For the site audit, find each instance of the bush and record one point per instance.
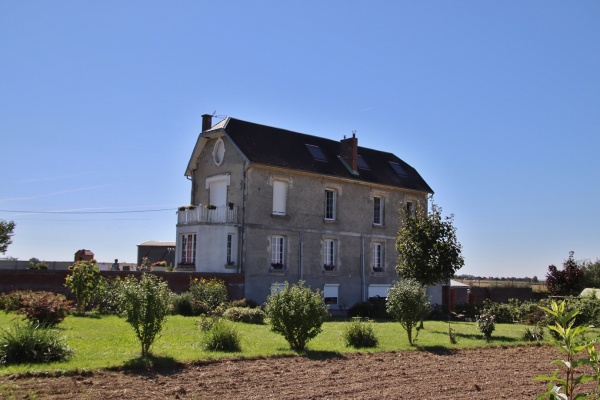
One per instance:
(222, 336)
(243, 303)
(13, 301)
(183, 305)
(296, 313)
(109, 293)
(31, 343)
(359, 334)
(535, 334)
(486, 323)
(44, 308)
(211, 292)
(246, 315)
(362, 309)
(407, 303)
(146, 304)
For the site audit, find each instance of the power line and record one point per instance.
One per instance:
(87, 212)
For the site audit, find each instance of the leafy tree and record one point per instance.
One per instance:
(146, 303)
(591, 273)
(296, 313)
(567, 282)
(6, 232)
(407, 303)
(84, 282)
(429, 251)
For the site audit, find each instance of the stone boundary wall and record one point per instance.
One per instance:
(53, 281)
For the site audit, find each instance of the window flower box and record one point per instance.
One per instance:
(377, 269)
(277, 266)
(328, 267)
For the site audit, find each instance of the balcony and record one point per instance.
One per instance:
(218, 215)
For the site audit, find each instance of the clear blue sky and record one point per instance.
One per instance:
(496, 104)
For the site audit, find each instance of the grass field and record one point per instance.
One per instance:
(108, 341)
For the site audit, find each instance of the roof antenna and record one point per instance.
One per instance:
(354, 133)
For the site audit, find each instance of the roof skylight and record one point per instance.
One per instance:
(397, 168)
(316, 152)
(362, 164)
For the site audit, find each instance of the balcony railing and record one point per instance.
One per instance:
(200, 213)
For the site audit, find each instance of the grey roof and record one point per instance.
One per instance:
(157, 243)
(277, 147)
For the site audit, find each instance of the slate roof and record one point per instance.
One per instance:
(283, 148)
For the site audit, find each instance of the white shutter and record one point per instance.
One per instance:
(279, 197)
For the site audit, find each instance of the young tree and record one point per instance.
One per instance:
(429, 251)
(297, 314)
(407, 303)
(146, 304)
(84, 282)
(568, 282)
(6, 232)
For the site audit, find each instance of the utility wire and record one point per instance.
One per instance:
(87, 212)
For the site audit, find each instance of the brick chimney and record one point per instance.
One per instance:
(349, 151)
(206, 122)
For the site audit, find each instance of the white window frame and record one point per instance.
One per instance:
(330, 204)
(218, 152)
(280, 189)
(329, 254)
(378, 205)
(187, 248)
(278, 251)
(230, 256)
(410, 208)
(331, 294)
(377, 258)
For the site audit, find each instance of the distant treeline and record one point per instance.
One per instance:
(527, 279)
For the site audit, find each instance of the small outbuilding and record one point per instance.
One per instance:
(156, 251)
(84, 255)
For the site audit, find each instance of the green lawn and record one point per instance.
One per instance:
(108, 341)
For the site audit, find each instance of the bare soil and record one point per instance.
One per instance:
(486, 373)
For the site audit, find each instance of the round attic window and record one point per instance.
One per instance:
(219, 151)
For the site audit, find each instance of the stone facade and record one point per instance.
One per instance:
(275, 224)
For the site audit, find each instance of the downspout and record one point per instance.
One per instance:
(243, 224)
(301, 257)
(362, 269)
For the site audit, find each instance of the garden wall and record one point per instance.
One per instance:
(501, 294)
(53, 281)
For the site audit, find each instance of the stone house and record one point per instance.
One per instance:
(276, 206)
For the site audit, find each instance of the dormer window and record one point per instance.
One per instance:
(316, 152)
(397, 168)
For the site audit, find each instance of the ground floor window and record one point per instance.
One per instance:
(278, 252)
(378, 291)
(330, 293)
(377, 257)
(188, 248)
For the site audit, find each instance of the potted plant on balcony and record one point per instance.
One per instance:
(328, 267)
(210, 207)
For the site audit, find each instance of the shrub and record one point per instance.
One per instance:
(13, 301)
(108, 299)
(362, 309)
(44, 308)
(83, 282)
(407, 303)
(246, 315)
(211, 292)
(296, 313)
(34, 263)
(146, 304)
(183, 304)
(31, 343)
(486, 323)
(243, 303)
(222, 336)
(535, 334)
(359, 333)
